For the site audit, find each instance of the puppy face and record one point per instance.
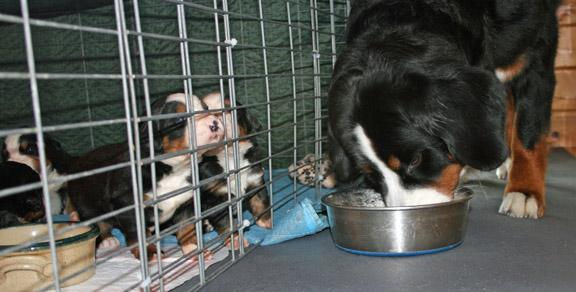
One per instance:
(247, 124)
(410, 133)
(22, 149)
(172, 134)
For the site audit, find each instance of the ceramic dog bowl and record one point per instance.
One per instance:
(360, 223)
(30, 268)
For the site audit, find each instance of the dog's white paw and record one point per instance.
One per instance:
(110, 242)
(519, 205)
(467, 174)
(504, 169)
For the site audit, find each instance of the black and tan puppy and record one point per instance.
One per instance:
(425, 87)
(24, 149)
(246, 179)
(102, 193)
(23, 207)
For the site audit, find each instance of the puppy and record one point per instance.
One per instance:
(24, 149)
(250, 175)
(423, 88)
(22, 207)
(102, 193)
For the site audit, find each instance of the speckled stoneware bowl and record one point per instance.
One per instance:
(30, 268)
(360, 223)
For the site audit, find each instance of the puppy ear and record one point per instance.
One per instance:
(247, 120)
(469, 114)
(158, 107)
(213, 100)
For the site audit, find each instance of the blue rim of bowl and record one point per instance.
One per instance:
(93, 232)
(467, 195)
(400, 254)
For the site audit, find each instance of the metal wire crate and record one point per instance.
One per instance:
(86, 73)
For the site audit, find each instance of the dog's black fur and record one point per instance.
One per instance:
(102, 193)
(21, 207)
(58, 162)
(215, 193)
(419, 77)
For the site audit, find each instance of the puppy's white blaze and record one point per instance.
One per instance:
(397, 194)
(56, 204)
(246, 176)
(175, 180)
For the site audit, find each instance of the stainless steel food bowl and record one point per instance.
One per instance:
(360, 223)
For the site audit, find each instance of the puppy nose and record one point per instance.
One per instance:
(214, 126)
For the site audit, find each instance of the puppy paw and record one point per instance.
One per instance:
(150, 251)
(109, 242)
(208, 255)
(503, 170)
(228, 242)
(74, 216)
(188, 248)
(519, 205)
(264, 222)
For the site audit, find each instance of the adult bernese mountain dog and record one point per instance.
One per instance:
(424, 88)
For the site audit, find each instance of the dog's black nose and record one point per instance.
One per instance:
(214, 126)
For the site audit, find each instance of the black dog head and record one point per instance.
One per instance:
(411, 119)
(171, 134)
(21, 207)
(24, 149)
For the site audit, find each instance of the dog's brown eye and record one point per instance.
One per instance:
(416, 159)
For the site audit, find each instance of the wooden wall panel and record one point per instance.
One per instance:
(564, 107)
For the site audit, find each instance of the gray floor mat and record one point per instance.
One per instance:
(498, 254)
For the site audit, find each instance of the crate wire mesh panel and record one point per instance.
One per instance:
(87, 73)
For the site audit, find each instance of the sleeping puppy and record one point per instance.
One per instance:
(102, 193)
(23, 207)
(250, 176)
(426, 87)
(24, 149)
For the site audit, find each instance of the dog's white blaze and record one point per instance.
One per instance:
(175, 180)
(56, 204)
(246, 176)
(397, 194)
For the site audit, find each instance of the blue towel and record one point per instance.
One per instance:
(290, 220)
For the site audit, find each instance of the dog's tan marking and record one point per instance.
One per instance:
(258, 207)
(366, 168)
(448, 180)
(508, 73)
(528, 167)
(150, 249)
(394, 163)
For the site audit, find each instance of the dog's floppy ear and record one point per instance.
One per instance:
(158, 107)
(342, 99)
(247, 120)
(470, 114)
